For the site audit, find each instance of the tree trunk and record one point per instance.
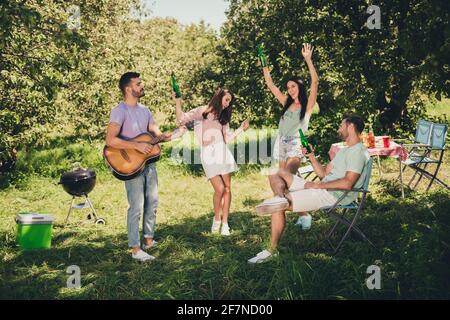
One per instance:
(325, 99)
(9, 164)
(392, 111)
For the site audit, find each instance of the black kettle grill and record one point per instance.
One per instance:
(78, 183)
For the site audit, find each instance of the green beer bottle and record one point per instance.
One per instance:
(261, 57)
(304, 141)
(175, 86)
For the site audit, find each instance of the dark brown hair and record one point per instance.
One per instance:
(215, 107)
(125, 80)
(301, 97)
(356, 120)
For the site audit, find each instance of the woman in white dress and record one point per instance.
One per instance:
(212, 130)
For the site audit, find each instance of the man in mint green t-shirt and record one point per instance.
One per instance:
(351, 159)
(346, 171)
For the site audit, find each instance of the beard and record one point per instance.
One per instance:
(138, 94)
(342, 136)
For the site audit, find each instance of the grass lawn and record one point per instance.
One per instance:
(412, 236)
(439, 108)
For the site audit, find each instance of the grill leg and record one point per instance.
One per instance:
(92, 207)
(70, 210)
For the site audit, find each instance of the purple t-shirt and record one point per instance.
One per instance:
(133, 120)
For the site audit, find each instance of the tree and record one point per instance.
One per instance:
(370, 70)
(38, 55)
(59, 76)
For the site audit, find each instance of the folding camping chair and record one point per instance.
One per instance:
(356, 206)
(306, 171)
(430, 139)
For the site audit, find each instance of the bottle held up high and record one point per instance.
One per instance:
(262, 57)
(175, 86)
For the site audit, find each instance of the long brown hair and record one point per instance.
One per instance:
(215, 107)
(302, 97)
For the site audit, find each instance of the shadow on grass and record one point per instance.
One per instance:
(413, 240)
(191, 264)
(393, 188)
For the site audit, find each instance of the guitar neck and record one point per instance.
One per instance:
(178, 132)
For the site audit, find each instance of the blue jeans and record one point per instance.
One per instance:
(142, 193)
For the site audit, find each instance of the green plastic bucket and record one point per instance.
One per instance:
(34, 230)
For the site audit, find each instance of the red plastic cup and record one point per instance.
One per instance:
(386, 142)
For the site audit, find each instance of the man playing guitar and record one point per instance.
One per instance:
(128, 120)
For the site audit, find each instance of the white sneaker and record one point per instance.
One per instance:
(304, 222)
(275, 200)
(272, 205)
(215, 228)
(263, 256)
(225, 230)
(142, 256)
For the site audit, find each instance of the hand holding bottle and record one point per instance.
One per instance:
(309, 153)
(304, 141)
(174, 96)
(261, 57)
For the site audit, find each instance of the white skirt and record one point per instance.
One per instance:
(217, 159)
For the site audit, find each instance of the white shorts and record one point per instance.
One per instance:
(286, 147)
(308, 199)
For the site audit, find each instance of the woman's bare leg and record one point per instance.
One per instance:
(278, 223)
(219, 188)
(292, 165)
(226, 197)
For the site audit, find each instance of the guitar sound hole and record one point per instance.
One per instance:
(125, 155)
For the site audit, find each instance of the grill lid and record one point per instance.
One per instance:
(77, 175)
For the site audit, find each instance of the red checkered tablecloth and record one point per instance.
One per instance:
(394, 149)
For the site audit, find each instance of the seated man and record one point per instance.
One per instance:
(346, 171)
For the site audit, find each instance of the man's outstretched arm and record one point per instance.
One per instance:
(345, 183)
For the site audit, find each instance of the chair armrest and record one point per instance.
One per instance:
(410, 139)
(416, 145)
(351, 190)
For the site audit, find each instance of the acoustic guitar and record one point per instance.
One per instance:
(126, 164)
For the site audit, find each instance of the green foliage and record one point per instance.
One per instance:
(155, 48)
(57, 87)
(66, 82)
(39, 56)
(56, 81)
(53, 162)
(374, 72)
